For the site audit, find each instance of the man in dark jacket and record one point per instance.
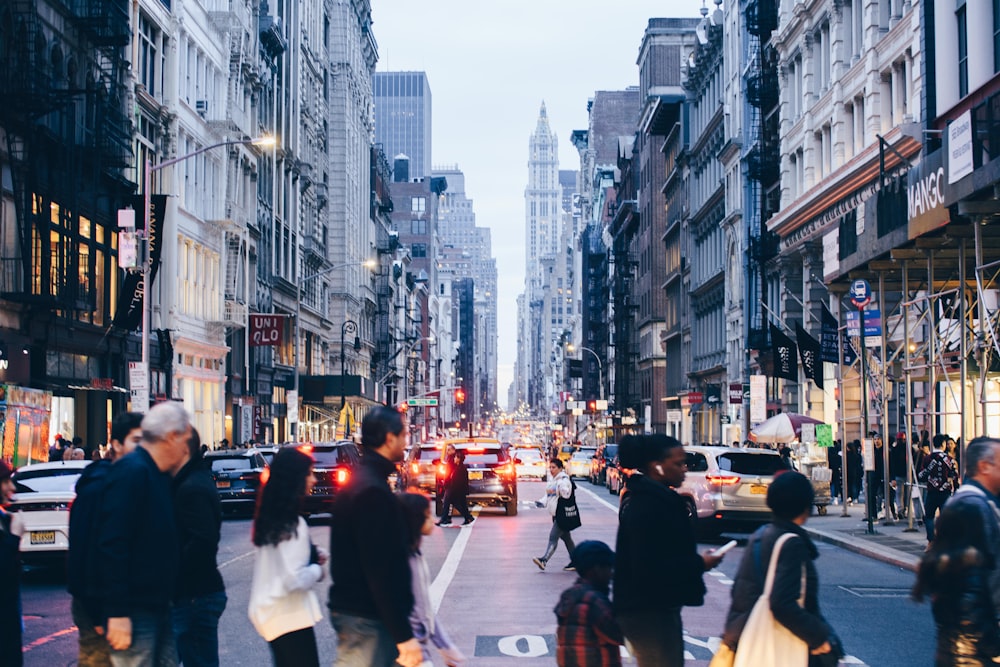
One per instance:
(201, 592)
(371, 596)
(458, 489)
(10, 576)
(83, 560)
(138, 542)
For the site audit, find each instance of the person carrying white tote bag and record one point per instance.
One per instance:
(765, 641)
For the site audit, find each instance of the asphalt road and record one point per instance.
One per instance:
(498, 605)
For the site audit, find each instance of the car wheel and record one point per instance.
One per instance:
(511, 507)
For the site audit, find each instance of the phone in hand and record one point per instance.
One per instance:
(721, 551)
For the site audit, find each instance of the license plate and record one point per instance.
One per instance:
(43, 537)
(758, 489)
(222, 484)
(475, 474)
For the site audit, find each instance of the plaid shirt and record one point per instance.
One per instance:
(588, 634)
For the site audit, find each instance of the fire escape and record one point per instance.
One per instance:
(762, 161)
(67, 136)
(388, 272)
(595, 334)
(625, 264)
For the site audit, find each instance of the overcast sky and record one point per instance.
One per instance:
(490, 66)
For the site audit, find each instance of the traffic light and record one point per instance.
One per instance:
(403, 407)
(592, 406)
(459, 395)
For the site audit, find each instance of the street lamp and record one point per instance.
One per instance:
(148, 170)
(349, 326)
(368, 263)
(600, 366)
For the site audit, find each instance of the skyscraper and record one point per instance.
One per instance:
(403, 118)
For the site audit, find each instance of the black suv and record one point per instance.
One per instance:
(335, 462)
(237, 474)
(492, 474)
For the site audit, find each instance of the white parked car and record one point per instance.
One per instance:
(531, 463)
(44, 493)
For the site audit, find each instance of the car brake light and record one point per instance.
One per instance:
(415, 468)
(443, 470)
(475, 450)
(306, 448)
(506, 469)
(722, 480)
(265, 474)
(343, 474)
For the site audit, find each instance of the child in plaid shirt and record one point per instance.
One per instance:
(588, 634)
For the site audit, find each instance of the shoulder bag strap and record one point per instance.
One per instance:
(773, 565)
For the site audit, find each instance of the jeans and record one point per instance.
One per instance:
(295, 649)
(152, 644)
(556, 534)
(935, 501)
(196, 626)
(656, 638)
(94, 649)
(362, 642)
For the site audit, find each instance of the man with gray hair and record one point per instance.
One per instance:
(979, 490)
(138, 543)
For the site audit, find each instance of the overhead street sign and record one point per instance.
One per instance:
(861, 293)
(414, 402)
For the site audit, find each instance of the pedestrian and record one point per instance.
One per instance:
(940, 475)
(10, 575)
(794, 595)
(558, 490)
(836, 463)
(448, 461)
(83, 559)
(426, 626)
(955, 575)
(371, 596)
(657, 567)
(897, 473)
(138, 542)
(458, 491)
(283, 607)
(57, 448)
(588, 634)
(854, 466)
(201, 593)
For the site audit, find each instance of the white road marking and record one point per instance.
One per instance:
(613, 508)
(447, 572)
(242, 556)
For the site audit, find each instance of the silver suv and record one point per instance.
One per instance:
(727, 486)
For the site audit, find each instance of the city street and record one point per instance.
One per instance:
(498, 605)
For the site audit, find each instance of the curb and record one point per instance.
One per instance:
(890, 556)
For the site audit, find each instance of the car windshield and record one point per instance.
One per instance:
(611, 451)
(491, 457)
(750, 464)
(331, 457)
(46, 481)
(240, 463)
(583, 455)
(528, 454)
(427, 452)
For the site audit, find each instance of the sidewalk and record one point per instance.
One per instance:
(891, 543)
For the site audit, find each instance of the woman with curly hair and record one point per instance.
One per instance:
(283, 607)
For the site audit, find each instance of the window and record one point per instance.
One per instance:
(418, 204)
(150, 57)
(849, 234)
(963, 52)
(418, 250)
(418, 226)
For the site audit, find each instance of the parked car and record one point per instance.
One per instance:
(44, 494)
(530, 463)
(614, 476)
(334, 464)
(417, 473)
(492, 475)
(579, 463)
(727, 486)
(598, 465)
(237, 474)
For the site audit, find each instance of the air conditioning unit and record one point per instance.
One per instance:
(201, 106)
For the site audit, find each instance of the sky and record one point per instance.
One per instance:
(490, 66)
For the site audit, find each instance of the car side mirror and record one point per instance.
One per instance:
(517, 461)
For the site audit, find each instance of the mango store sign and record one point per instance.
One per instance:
(925, 196)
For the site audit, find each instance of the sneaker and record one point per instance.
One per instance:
(569, 568)
(442, 523)
(540, 563)
(468, 521)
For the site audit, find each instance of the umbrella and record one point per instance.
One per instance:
(782, 427)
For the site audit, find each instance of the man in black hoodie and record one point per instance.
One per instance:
(201, 593)
(83, 561)
(372, 595)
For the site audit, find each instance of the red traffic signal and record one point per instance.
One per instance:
(459, 395)
(403, 407)
(591, 406)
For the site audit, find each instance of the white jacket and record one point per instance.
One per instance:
(556, 487)
(281, 596)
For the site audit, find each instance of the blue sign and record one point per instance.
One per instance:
(861, 293)
(873, 323)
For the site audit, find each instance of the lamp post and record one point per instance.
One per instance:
(370, 263)
(600, 366)
(349, 326)
(148, 169)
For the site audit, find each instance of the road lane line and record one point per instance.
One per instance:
(613, 508)
(449, 568)
(237, 559)
(42, 641)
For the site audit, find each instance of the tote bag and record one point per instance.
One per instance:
(567, 512)
(765, 641)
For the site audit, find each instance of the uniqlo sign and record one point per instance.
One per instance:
(266, 329)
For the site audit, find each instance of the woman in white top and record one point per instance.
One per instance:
(558, 486)
(283, 607)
